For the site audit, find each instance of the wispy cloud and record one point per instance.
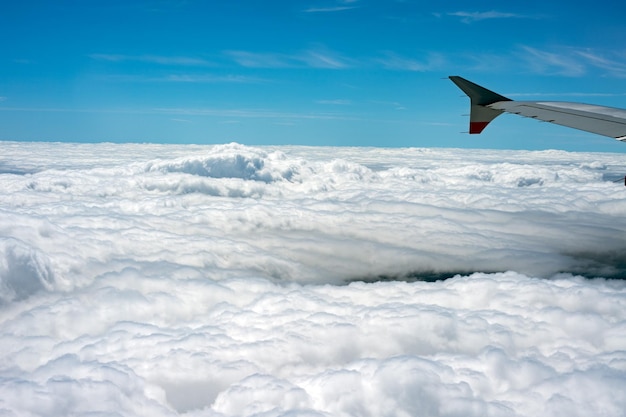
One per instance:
(336, 102)
(23, 61)
(553, 63)
(486, 61)
(393, 61)
(179, 114)
(253, 113)
(614, 65)
(574, 62)
(337, 7)
(311, 58)
(396, 105)
(470, 17)
(571, 94)
(261, 60)
(153, 59)
(324, 59)
(184, 78)
(328, 9)
(235, 79)
(73, 110)
(2, 99)
(565, 61)
(164, 6)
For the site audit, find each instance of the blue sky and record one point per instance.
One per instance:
(313, 72)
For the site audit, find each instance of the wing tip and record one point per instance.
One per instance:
(477, 127)
(480, 98)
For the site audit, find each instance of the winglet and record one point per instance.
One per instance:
(480, 98)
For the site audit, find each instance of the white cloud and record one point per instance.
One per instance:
(24, 271)
(260, 60)
(316, 57)
(327, 9)
(339, 6)
(323, 58)
(183, 78)
(153, 59)
(207, 78)
(614, 64)
(573, 61)
(572, 94)
(223, 280)
(553, 63)
(253, 113)
(335, 102)
(470, 17)
(393, 61)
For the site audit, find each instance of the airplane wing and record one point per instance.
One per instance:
(487, 105)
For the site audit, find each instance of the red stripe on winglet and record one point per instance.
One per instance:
(477, 127)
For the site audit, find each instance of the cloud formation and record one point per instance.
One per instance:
(393, 61)
(470, 17)
(153, 59)
(338, 6)
(230, 280)
(316, 57)
(573, 62)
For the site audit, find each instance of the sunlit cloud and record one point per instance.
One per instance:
(230, 280)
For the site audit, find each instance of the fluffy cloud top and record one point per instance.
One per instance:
(229, 280)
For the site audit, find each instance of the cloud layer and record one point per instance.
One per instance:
(230, 280)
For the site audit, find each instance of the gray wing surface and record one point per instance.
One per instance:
(487, 105)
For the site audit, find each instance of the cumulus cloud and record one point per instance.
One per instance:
(23, 270)
(231, 280)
